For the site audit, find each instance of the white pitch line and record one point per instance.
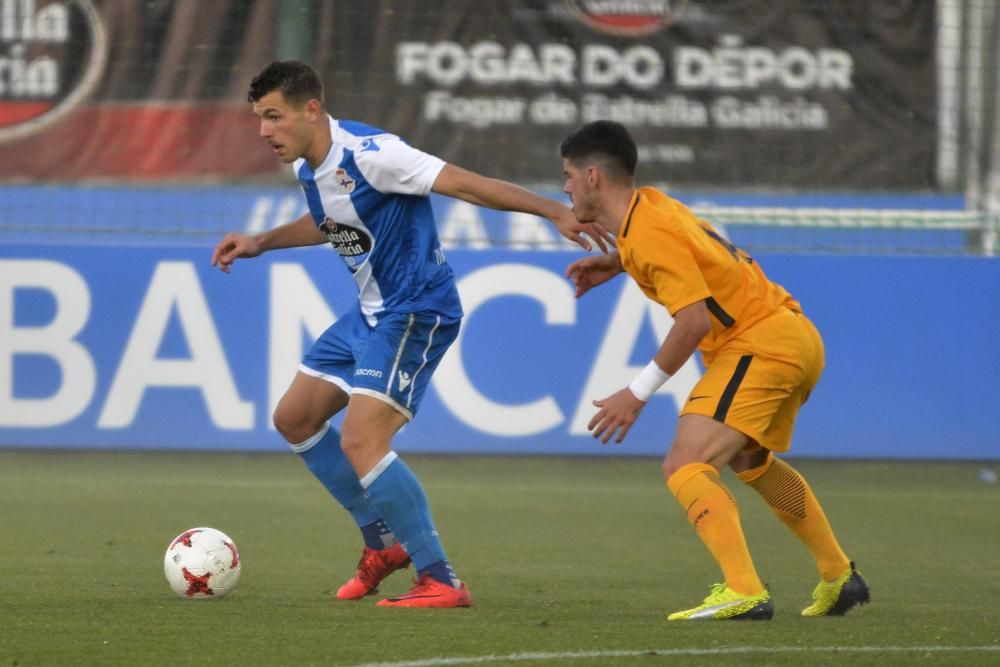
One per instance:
(733, 650)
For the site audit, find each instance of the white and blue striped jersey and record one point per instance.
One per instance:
(370, 199)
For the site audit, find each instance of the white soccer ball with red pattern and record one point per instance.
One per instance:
(202, 564)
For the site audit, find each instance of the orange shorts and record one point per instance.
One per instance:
(757, 381)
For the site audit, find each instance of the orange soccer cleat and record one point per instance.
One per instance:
(429, 592)
(375, 565)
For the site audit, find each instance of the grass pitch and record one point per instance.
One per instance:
(570, 561)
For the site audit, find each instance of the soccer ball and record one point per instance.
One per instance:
(202, 564)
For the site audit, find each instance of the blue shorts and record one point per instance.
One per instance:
(393, 362)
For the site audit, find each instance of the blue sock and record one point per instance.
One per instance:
(326, 461)
(440, 570)
(377, 535)
(398, 496)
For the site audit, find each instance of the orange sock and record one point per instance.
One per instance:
(791, 499)
(716, 519)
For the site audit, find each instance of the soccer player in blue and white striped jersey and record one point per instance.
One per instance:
(367, 194)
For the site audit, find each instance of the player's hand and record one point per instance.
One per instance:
(589, 272)
(617, 413)
(604, 239)
(233, 246)
(573, 229)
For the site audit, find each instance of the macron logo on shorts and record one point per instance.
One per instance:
(404, 380)
(369, 372)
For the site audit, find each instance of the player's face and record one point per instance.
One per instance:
(580, 191)
(283, 126)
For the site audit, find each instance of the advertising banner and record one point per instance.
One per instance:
(743, 93)
(151, 348)
(790, 222)
(747, 93)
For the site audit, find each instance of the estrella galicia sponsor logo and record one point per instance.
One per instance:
(627, 17)
(351, 243)
(368, 372)
(52, 55)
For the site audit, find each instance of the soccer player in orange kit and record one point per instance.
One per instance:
(762, 358)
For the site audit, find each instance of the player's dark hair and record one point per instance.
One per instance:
(605, 142)
(298, 82)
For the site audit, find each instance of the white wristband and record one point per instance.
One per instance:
(648, 381)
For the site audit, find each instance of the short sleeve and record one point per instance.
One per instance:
(390, 165)
(666, 261)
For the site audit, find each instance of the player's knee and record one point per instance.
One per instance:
(682, 452)
(748, 459)
(351, 440)
(669, 466)
(293, 425)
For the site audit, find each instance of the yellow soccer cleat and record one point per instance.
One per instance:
(834, 598)
(723, 604)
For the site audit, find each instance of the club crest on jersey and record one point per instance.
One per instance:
(345, 184)
(351, 243)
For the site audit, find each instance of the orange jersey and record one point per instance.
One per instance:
(678, 259)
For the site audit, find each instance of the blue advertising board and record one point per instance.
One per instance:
(151, 347)
(180, 215)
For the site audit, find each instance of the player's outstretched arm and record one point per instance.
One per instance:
(495, 193)
(302, 232)
(588, 272)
